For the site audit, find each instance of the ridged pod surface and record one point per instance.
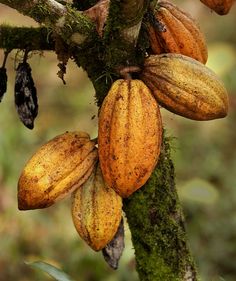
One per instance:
(96, 211)
(56, 169)
(185, 86)
(129, 136)
(221, 7)
(182, 34)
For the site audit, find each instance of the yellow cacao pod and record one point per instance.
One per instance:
(96, 211)
(221, 7)
(185, 86)
(129, 136)
(56, 169)
(181, 35)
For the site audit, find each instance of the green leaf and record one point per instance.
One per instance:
(55, 272)
(198, 190)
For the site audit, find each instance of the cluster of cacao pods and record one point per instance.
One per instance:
(175, 72)
(175, 77)
(68, 164)
(129, 133)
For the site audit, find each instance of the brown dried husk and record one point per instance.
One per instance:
(129, 136)
(56, 170)
(221, 7)
(185, 86)
(182, 34)
(96, 211)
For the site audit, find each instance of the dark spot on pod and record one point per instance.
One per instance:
(3, 82)
(159, 26)
(25, 95)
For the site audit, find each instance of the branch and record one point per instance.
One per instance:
(126, 17)
(74, 27)
(121, 34)
(39, 10)
(156, 222)
(29, 38)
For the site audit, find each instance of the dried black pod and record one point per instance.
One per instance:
(3, 76)
(25, 95)
(113, 250)
(3, 82)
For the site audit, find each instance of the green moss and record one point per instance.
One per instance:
(74, 21)
(78, 21)
(30, 38)
(40, 11)
(156, 223)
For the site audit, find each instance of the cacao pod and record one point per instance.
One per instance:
(56, 169)
(26, 100)
(129, 136)
(96, 211)
(221, 7)
(181, 35)
(185, 86)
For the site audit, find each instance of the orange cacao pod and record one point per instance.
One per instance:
(96, 211)
(185, 86)
(56, 169)
(181, 35)
(129, 136)
(221, 7)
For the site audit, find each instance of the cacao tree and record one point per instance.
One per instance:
(139, 55)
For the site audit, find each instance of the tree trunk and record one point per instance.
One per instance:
(156, 223)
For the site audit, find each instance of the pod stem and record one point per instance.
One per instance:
(126, 72)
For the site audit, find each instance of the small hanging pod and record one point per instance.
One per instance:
(113, 250)
(3, 77)
(25, 94)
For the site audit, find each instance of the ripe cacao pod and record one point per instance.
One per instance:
(96, 211)
(129, 136)
(221, 7)
(56, 169)
(181, 35)
(185, 86)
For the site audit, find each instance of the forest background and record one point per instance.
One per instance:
(204, 154)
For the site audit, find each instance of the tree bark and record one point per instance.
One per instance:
(29, 38)
(154, 213)
(156, 223)
(74, 27)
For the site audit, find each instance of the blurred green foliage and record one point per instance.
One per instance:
(204, 154)
(52, 270)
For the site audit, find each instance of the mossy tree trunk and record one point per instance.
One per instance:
(157, 225)
(153, 213)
